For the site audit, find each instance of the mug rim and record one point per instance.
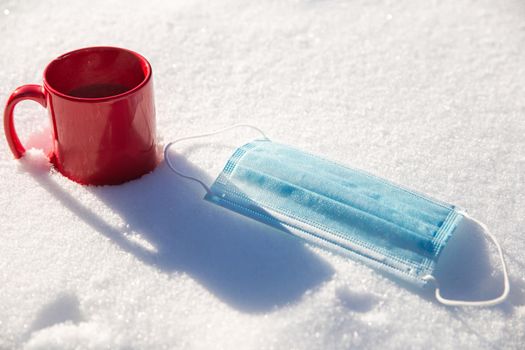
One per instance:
(137, 87)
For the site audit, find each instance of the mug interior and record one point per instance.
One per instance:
(96, 72)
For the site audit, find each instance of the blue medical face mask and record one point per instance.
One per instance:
(347, 210)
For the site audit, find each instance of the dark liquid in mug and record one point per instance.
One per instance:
(98, 90)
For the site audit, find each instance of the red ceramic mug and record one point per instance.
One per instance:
(100, 101)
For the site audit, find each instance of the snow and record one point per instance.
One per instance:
(427, 94)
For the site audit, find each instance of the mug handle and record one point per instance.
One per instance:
(25, 92)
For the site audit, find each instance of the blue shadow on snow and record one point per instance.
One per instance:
(248, 265)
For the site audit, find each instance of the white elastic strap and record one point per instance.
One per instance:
(506, 285)
(167, 147)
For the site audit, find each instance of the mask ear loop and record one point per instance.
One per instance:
(506, 285)
(168, 146)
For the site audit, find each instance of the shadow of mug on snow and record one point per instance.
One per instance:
(248, 265)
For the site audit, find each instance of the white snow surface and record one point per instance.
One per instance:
(429, 94)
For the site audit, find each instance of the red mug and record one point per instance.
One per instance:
(100, 101)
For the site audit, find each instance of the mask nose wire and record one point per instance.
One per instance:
(506, 284)
(186, 176)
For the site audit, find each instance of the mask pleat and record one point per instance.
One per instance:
(424, 220)
(348, 220)
(362, 181)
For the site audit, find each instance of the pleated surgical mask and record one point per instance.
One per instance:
(346, 210)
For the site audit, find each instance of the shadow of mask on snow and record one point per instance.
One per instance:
(468, 268)
(248, 265)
